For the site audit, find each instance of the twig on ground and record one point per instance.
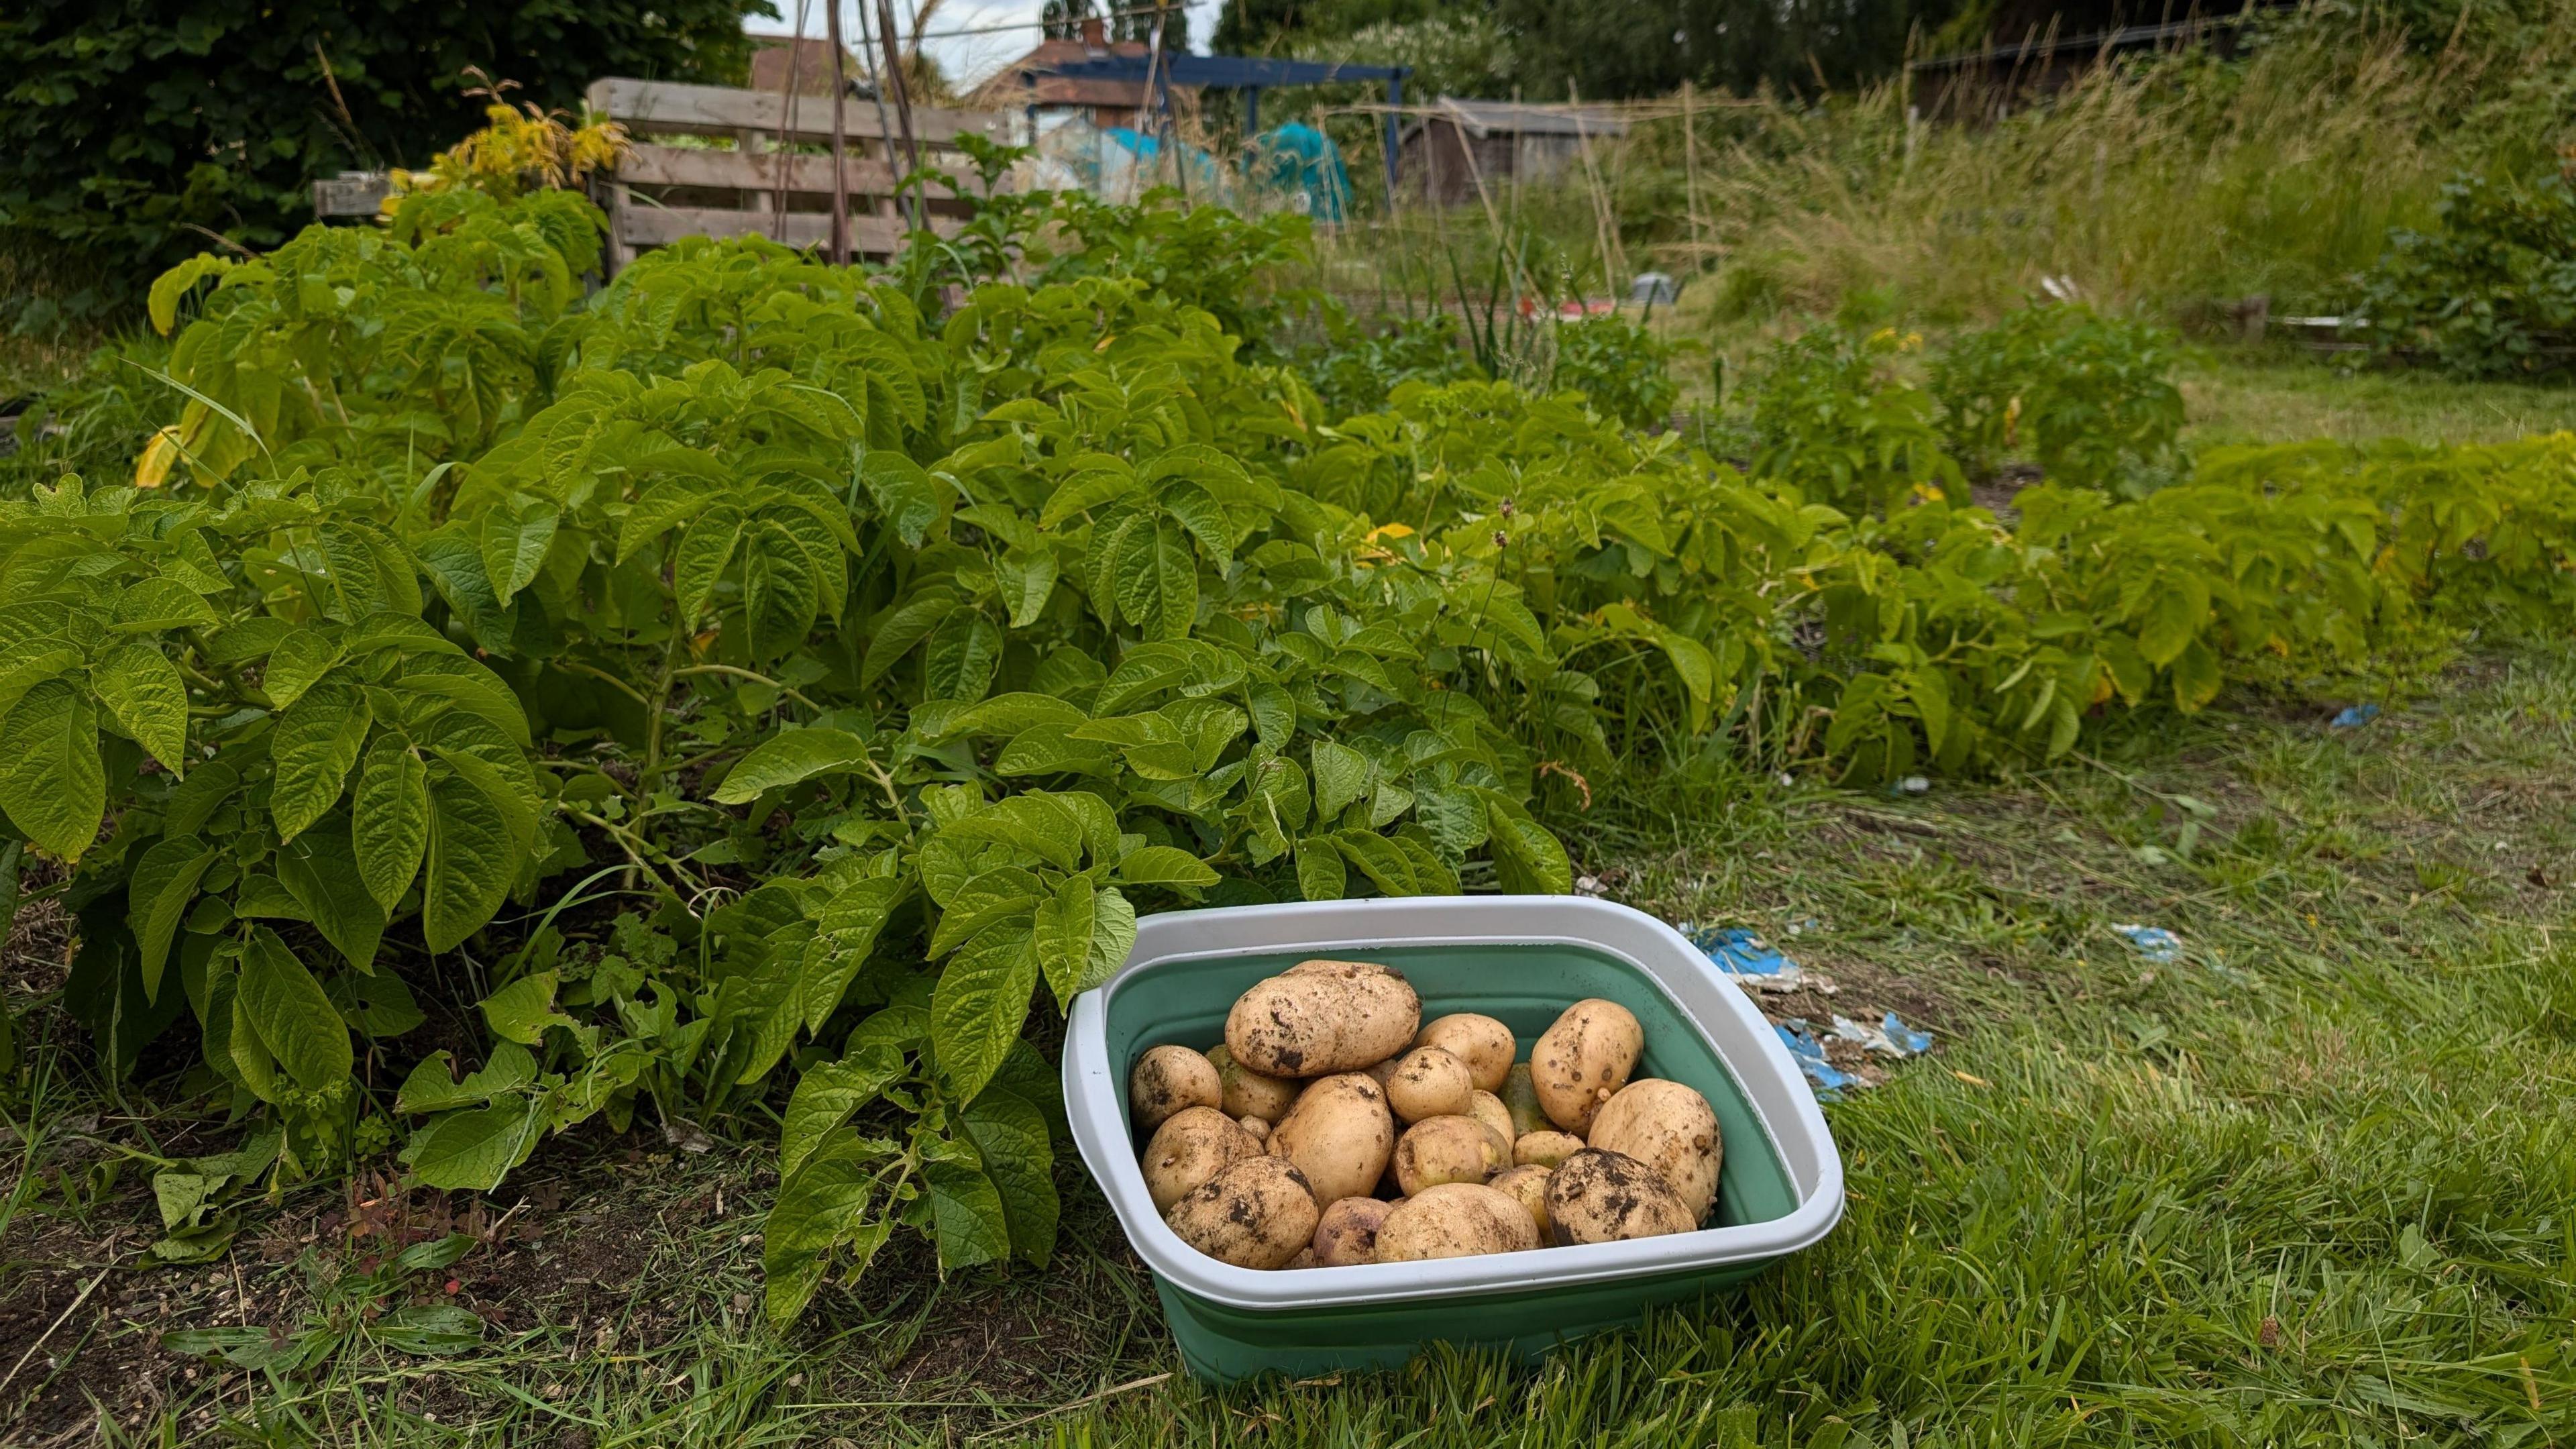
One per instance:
(1146, 1382)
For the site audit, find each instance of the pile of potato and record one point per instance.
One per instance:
(1334, 1127)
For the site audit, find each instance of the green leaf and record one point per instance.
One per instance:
(1113, 935)
(699, 562)
(1164, 865)
(162, 303)
(1036, 822)
(826, 1096)
(1321, 876)
(966, 1211)
(522, 1010)
(904, 493)
(315, 744)
(1011, 714)
(1341, 773)
(821, 1206)
(1027, 581)
(319, 868)
(843, 936)
(903, 628)
(513, 544)
(960, 656)
(1061, 935)
(157, 897)
(788, 758)
(389, 820)
(1083, 492)
(432, 1330)
(144, 694)
(299, 661)
(1380, 859)
(2196, 677)
(295, 1020)
(472, 1150)
(52, 782)
(1010, 1136)
(2173, 621)
(472, 857)
(432, 1085)
(1527, 858)
(978, 1006)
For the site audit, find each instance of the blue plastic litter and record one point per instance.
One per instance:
(1740, 953)
(1909, 1042)
(2355, 716)
(2155, 943)
(1891, 1037)
(1809, 1053)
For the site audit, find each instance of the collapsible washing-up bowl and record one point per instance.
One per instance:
(1521, 959)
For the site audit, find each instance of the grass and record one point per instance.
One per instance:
(2315, 1182)
(2239, 396)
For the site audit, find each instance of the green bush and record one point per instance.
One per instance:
(2490, 292)
(2091, 398)
(749, 687)
(133, 129)
(1621, 367)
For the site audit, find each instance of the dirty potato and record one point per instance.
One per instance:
(1259, 1129)
(1346, 1235)
(1339, 1135)
(1428, 1082)
(1248, 1093)
(1528, 1187)
(1167, 1079)
(1544, 1149)
(1193, 1145)
(1609, 1197)
(1670, 1128)
(1487, 1108)
(1319, 1018)
(1583, 1060)
(1455, 1220)
(1440, 1150)
(1258, 1212)
(1484, 1044)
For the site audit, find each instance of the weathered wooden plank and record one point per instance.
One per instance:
(645, 226)
(646, 107)
(650, 165)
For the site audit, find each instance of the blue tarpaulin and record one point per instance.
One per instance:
(1297, 158)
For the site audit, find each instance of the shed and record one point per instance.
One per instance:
(1460, 141)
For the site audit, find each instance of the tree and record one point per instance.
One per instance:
(134, 133)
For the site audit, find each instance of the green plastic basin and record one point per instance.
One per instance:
(1521, 959)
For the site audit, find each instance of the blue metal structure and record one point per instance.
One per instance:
(1249, 74)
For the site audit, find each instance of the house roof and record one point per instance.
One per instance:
(1031, 80)
(1486, 118)
(813, 68)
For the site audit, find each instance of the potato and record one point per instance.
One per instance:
(1193, 1145)
(1487, 1108)
(1484, 1044)
(1520, 1095)
(1319, 1018)
(1259, 1129)
(1256, 1213)
(1528, 1187)
(1609, 1197)
(1428, 1082)
(1581, 1061)
(1346, 1235)
(1167, 1079)
(1545, 1149)
(1446, 1149)
(1339, 1135)
(1455, 1220)
(1671, 1129)
(1305, 1259)
(1248, 1093)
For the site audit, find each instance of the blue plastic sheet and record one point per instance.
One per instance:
(2155, 943)
(2355, 716)
(1809, 1053)
(1740, 953)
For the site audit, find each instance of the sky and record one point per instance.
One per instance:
(966, 58)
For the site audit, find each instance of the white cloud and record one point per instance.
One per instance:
(966, 58)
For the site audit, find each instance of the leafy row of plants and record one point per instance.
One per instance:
(488, 707)
(2488, 291)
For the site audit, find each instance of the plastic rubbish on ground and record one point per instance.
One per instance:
(2155, 943)
(1912, 785)
(1654, 289)
(1891, 1037)
(1748, 958)
(1809, 1053)
(2354, 716)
